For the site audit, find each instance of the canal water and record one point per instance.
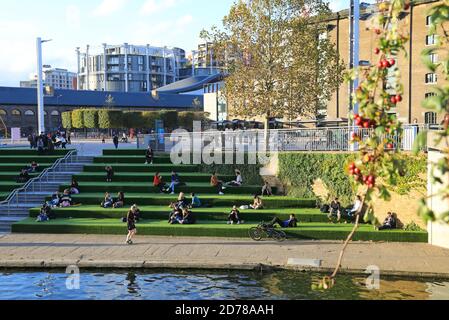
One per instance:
(201, 285)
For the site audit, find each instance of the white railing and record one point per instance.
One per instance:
(36, 184)
(320, 139)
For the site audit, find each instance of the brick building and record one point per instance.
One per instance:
(418, 81)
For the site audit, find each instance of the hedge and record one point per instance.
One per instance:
(170, 118)
(78, 119)
(299, 171)
(67, 120)
(110, 119)
(90, 118)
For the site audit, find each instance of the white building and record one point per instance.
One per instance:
(56, 78)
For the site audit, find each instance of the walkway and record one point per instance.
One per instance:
(91, 251)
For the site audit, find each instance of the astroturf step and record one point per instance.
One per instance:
(128, 152)
(147, 177)
(213, 214)
(139, 187)
(132, 159)
(316, 231)
(141, 168)
(229, 200)
(11, 167)
(26, 160)
(30, 152)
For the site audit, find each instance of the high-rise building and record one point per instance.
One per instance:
(128, 68)
(56, 78)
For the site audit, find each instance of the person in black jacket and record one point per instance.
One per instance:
(390, 223)
(109, 173)
(115, 140)
(149, 155)
(23, 176)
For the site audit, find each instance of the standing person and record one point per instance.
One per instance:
(149, 155)
(31, 141)
(115, 141)
(109, 173)
(132, 230)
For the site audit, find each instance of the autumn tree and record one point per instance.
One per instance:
(279, 61)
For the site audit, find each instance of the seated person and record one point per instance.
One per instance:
(74, 187)
(257, 204)
(66, 200)
(196, 202)
(108, 201)
(215, 182)
(120, 201)
(238, 179)
(175, 216)
(23, 176)
(182, 201)
(390, 223)
(187, 217)
(335, 209)
(266, 190)
(43, 217)
(55, 200)
(158, 182)
(34, 167)
(135, 209)
(234, 216)
(290, 223)
(357, 207)
(149, 155)
(175, 181)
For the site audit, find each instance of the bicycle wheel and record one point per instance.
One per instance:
(279, 236)
(256, 234)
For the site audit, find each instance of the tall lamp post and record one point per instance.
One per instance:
(40, 87)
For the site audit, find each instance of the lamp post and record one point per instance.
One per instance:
(40, 87)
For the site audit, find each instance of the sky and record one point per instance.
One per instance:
(75, 23)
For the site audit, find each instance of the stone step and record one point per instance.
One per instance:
(10, 219)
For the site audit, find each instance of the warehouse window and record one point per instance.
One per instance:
(29, 113)
(16, 113)
(55, 113)
(430, 117)
(3, 112)
(431, 78)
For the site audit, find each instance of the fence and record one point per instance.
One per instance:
(322, 139)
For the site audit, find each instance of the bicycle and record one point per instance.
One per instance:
(263, 230)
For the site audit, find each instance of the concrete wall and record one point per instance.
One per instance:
(211, 105)
(438, 232)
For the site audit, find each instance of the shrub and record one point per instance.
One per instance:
(110, 119)
(66, 118)
(170, 118)
(150, 117)
(90, 118)
(78, 119)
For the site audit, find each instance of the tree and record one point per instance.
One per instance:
(278, 62)
(90, 117)
(66, 118)
(110, 119)
(78, 119)
(170, 118)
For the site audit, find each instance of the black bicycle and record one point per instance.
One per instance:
(264, 231)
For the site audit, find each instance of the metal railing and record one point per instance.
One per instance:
(36, 184)
(307, 140)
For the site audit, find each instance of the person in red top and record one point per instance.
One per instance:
(158, 182)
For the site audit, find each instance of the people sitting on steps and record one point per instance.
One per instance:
(119, 201)
(149, 156)
(196, 202)
(390, 222)
(109, 173)
(66, 200)
(238, 182)
(175, 214)
(266, 190)
(234, 216)
(23, 176)
(257, 203)
(45, 214)
(292, 222)
(33, 167)
(55, 200)
(74, 187)
(216, 183)
(335, 210)
(182, 201)
(356, 209)
(108, 202)
(175, 182)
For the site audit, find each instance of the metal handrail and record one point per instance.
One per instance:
(44, 174)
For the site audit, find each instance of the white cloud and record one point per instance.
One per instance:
(153, 6)
(73, 17)
(108, 7)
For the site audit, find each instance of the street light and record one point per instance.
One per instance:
(40, 87)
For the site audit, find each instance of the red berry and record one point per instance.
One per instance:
(358, 122)
(378, 31)
(357, 178)
(371, 179)
(380, 65)
(376, 51)
(390, 146)
(398, 98)
(407, 6)
(392, 62)
(357, 171)
(366, 124)
(385, 64)
(393, 100)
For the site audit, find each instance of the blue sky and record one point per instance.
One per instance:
(72, 23)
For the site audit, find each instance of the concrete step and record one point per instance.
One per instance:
(10, 219)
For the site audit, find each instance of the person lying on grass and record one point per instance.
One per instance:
(257, 204)
(234, 216)
(292, 222)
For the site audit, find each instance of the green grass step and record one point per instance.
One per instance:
(315, 231)
(3, 195)
(147, 177)
(132, 159)
(213, 214)
(28, 159)
(139, 187)
(29, 152)
(11, 176)
(124, 152)
(124, 167)
(14, 167)
(145, 199)
(7, 186)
